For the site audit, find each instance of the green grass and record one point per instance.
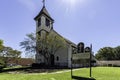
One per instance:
(99, 73)
(14, 67)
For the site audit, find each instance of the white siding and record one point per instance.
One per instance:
(63, 57)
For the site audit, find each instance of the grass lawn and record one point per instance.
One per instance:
(99, 73)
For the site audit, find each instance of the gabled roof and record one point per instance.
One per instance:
(45, 12)
(68, 41)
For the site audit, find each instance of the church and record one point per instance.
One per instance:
(44, 25)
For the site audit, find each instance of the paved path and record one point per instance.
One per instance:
(53, 72)
(63, 71)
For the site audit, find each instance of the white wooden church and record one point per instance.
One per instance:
(44, 24)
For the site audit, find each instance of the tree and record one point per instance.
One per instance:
(106, 53)
(7, 53)
(45, 46)
(1, 45)
(117, 52)
(29, 44)
(49, 45)
(55, 42)
(1, 49)
(16, 55)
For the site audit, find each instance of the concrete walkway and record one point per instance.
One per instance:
(57, 72)
(63, 71)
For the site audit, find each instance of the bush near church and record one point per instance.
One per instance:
(1, 67)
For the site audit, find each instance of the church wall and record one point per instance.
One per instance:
(69, 55)
(63, 57)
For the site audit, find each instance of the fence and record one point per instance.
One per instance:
(113, 63)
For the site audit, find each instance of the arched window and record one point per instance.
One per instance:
(80, 47)
(87, 49)
(57, 58)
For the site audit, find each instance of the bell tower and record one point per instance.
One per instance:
(44, 22)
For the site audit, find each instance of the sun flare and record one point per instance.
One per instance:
(70, 2)
(73, 2)
(71, 5)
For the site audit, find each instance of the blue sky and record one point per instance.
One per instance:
(88, 21)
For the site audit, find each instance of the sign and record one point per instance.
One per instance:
(81, 56)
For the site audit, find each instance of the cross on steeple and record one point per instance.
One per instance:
(43, 3)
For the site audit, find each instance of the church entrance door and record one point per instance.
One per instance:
(52, 59)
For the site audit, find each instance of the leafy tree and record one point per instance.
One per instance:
(1, 42)
(16, 55)
(49, 45)
(117, 52)
(45, 46)
(1, 45)
(55, 42)
(29, 44)
(7, 53)
(106, 53)
(1, 49)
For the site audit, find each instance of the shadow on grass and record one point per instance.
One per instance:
(15, 69)
(82, 78)
(33, 69)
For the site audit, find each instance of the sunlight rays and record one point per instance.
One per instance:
(71, 5)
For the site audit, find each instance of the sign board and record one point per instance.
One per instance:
(81, 56)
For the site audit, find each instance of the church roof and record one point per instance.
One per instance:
(45, 12)
(68, 41)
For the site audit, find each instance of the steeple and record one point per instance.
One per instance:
(44, 21)
(43, 3)
(43, 11)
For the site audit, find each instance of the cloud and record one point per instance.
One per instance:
(30, 4)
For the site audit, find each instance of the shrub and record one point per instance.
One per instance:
(1, 67)
(110, 65)
(116, 65)
(40, 65)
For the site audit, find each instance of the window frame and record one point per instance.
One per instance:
(47, 22)
(39, 22)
